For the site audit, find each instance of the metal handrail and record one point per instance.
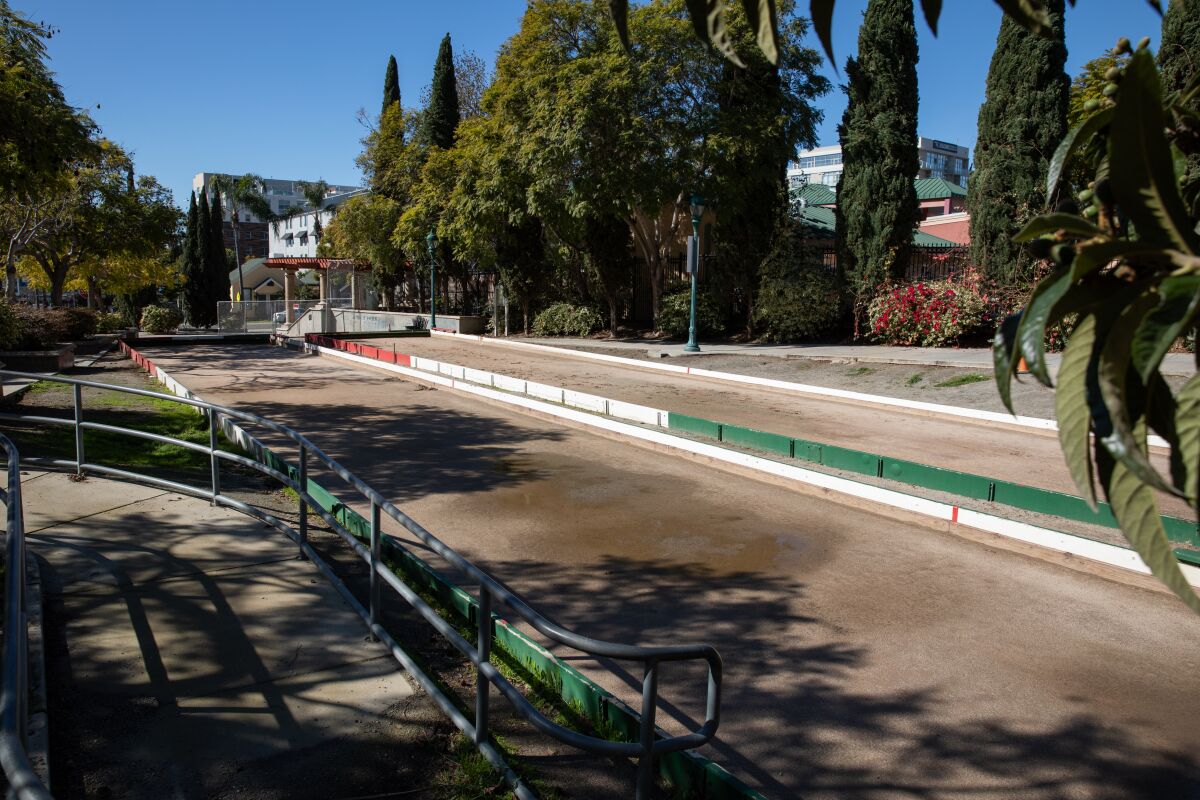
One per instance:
(489, 588)
(24, 783)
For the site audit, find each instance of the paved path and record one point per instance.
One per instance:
(978, 358)
(190, 655)
(865, 658)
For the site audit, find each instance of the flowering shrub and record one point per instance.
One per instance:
(932, 314)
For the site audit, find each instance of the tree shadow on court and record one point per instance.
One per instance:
(795, 720)
(414, 450)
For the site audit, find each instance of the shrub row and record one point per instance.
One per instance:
(29, 328)
(564, 319)
(157, 319)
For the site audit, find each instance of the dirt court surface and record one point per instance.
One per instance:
(865, 658)
(1026, 457)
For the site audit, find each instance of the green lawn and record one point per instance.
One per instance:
(150, 414)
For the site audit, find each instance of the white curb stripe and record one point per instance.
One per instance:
(798, 388)
(1044, 537)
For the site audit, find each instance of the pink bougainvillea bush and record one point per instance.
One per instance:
(927, 314)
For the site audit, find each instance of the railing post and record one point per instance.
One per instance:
(645, 776)
(482, 685)
(212, 453)
(78, 402)
(303, 483)
(376, 547)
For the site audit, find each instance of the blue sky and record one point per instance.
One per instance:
(274, 87)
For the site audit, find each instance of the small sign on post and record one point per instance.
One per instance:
(693, 255)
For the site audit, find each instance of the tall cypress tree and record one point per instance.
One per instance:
(1179, 61)
(1021, 122)
(877, 207)
(391, 85)
(217, 268)
(192, 267)
(204, 314)
(441, 118)
(1179, 53)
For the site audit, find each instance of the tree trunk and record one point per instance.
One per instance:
(10, 275)
(525, 314)
(612, 315)
(58, 281)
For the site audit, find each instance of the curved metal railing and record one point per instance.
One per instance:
(23, 781)
(489, 588)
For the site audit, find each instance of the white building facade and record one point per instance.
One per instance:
(283, 194)
(296, 236)
(936, 159)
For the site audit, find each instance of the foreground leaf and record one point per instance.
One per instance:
(619, 11)
(932, 10)
(1072, 410)
(1124, 396)
(1031, 335)
(1052, 223)
(1133, 505)
(1076, 138)
(821, 12)
(1179, 297)
(762, 18)
(1142, 171)
(708, 18)
(1003, 347)
(1187, 432)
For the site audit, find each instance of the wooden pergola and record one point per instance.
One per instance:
(322, 266)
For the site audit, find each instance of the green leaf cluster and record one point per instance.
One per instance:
(1128, 267)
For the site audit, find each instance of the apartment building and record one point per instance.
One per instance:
(936, 159)
(253, 233)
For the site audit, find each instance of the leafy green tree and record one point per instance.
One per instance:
(596, 135)
(442, 114)
(391, 85)
(241, 193)
(877, 205)
(363, 229)
(1021, 121)
(40, 134)
(1087, 88)
(96, 213)
(765, 112)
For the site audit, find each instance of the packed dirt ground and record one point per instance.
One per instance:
(1020, 455)
(866, 657)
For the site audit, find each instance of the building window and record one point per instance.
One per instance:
(831, 178)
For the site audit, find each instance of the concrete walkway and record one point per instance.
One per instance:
(191, 655)
(979, 358)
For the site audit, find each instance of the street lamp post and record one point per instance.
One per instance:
(697, 213)
(432, 241)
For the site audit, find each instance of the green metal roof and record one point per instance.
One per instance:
(937, 189)
(818, 218)
(816, 194)
(929, 240)
(822, 220)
